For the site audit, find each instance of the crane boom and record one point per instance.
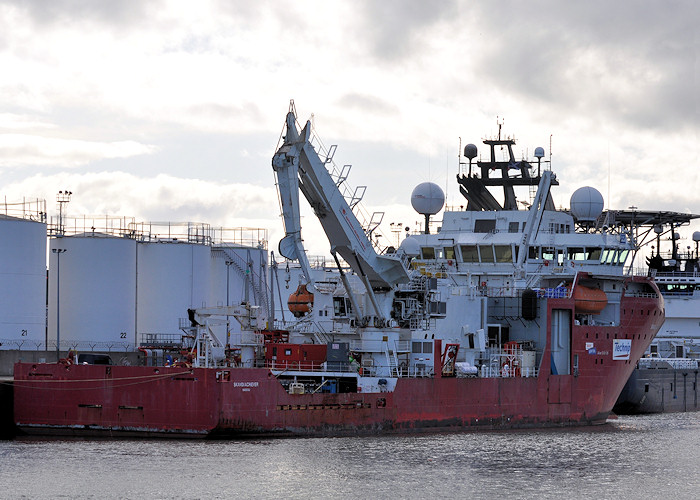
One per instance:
(299, 168)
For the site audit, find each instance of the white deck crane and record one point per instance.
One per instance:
(298, 167)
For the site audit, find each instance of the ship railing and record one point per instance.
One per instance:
(638, 271)
(648, 295)
(398, 346)
(656, 274)
(549, 293)
(675, 363)
(677, 274)
(509, 362)
(559, 292)
(307, 366)
(162, 340)
(494, 291)
(678, 293)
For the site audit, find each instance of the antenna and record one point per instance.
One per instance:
(447, 170)
(608, 174)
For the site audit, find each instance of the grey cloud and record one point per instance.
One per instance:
(395, 28)
(112, 12)
(368, 103)
(643, 57)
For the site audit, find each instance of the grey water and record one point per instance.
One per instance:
(631, 457)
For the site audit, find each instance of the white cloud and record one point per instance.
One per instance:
(14, 122)
(31, 150)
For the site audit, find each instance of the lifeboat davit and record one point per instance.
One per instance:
(301, 301)
(589, 300)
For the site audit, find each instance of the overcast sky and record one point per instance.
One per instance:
(171, 110)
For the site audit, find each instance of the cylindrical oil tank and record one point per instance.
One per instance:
(92, 288)
(22, 283)
(172, 278)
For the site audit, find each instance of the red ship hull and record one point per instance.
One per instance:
(199, 402)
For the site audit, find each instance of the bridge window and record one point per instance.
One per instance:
(622, 257)
(512, 227)
(576, 253)
(486, 252)
(428, 253)
(504, 253)
(593, 253)
(449, 252)
(608, 256)
(469, 253)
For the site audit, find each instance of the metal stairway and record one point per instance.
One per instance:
(392, 361)
(260, 294)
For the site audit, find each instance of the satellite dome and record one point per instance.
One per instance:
(410, 247)
(696, 236)
(427, 198)
(586, 204)
(470, 151)
(539, 152)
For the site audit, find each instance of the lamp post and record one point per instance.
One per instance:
(228, 326)
(58, 252)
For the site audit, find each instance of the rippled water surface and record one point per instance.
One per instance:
(632, 457)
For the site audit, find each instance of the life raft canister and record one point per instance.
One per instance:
(589, 300)
(301, 301)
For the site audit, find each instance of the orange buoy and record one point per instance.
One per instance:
(589, 300)
(301, 301)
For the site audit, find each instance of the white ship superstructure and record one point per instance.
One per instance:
(474, 283)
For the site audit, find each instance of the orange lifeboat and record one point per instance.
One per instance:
(301, 301)
(589, 300)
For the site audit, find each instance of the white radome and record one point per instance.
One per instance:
(427, 198)
(410, 247)
(586, 204)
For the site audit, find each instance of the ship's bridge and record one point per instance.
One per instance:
(495, 238)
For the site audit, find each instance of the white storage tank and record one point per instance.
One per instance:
(96, 274)
(22, 283)
(173, 276)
